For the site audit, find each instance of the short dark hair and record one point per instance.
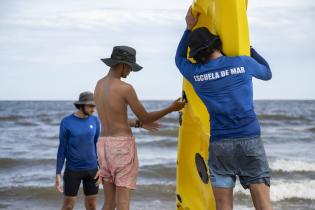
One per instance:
(79, 106)
(120, 64)
(203, 55)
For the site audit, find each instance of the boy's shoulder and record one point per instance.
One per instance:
(125, 87)
(125, 84)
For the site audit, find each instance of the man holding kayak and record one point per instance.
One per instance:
(224, 84)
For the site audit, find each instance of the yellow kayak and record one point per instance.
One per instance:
(228, 19)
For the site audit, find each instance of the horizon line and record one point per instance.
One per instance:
(69, 100)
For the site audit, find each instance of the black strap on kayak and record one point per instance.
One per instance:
(184, 98)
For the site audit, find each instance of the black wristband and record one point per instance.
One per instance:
(138, 124)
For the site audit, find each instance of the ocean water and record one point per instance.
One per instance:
(29, 140)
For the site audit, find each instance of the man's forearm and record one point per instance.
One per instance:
(183, 45)
(254, 54)
(154, 116)
(181, 52)
(60, 162)
(132, 122)
(60, 158)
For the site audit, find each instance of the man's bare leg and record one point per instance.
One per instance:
(122, 198)
(68, 203)
(261, 196)
(223, 198)
(90, 202)
(109, 196)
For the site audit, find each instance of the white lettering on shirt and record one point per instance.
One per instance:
(219, 74)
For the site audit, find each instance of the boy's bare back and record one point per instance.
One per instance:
(112, 106)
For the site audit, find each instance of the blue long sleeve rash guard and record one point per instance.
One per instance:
(78, 138)
(225, 87)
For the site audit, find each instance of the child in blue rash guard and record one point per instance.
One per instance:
(78, 137)
(224, 84)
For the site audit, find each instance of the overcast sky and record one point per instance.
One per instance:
(51, 49)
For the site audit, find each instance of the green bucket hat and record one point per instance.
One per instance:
(123, 54)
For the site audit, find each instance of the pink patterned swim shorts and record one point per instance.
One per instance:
(118, 160)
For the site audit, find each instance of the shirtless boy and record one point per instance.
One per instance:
(116, 147)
